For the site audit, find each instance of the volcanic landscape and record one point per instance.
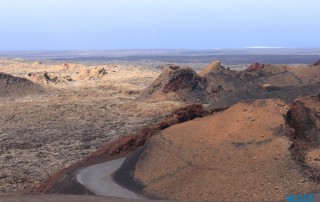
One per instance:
(217, 133)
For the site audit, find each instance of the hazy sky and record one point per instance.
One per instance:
(153, 24)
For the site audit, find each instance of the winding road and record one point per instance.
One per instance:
(98, 179)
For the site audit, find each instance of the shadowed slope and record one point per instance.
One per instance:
(11, 86)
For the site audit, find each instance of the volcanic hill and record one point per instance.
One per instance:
(220, 86)
(254, 150)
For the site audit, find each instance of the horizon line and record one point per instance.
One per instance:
(158, 49)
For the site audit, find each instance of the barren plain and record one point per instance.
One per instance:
(79, 109)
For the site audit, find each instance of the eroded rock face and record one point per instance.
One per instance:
(11, 86)
(304, 117)
(304, 120)
(240, 154)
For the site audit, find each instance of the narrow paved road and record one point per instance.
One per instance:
(98, 179)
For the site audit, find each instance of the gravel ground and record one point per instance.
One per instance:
(45, 133)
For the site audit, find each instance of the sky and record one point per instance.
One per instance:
(158, 24)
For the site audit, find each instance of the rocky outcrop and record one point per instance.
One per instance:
(304, 117)
(94, 73)
(48, 78)
(176, 83)
(11, 86)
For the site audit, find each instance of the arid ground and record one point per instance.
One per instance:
(212, 134)
(79, 109)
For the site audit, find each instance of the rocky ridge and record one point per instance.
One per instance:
(218, 86)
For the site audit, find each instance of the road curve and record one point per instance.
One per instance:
(98, 179)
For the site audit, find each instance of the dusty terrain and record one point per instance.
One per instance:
(248, 152)
(58, 117)
(81, 108)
